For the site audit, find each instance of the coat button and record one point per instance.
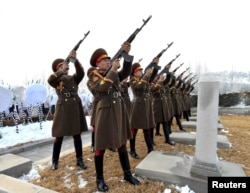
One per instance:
(114, 102)
(65, 99)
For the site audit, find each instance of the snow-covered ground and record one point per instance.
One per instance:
(26, 133)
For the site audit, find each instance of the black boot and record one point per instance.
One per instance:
(100, 183)
(169, 127)
(171, 121)
(186, 116)
(92, 142)
(166, 134)
(123, 156)
(157, 129)
(152, 135)
(55, 155)
(132, 148)
(148, 141)
(78, 149)
(179, 123)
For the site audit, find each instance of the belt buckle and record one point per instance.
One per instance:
(67, 94)
(115, 95)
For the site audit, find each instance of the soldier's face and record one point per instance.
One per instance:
(138, 73)
(103, 64)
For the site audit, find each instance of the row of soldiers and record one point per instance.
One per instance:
(169, 95)
(116, 118)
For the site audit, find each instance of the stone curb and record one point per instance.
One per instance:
(29, 146)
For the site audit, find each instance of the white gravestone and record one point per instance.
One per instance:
(205, 162)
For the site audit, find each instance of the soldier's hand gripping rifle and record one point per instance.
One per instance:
(152, 64)
(120, 53)
(68, 59)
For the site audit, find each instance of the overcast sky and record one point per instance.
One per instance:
(210, 35)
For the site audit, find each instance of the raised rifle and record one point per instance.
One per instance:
(181, 74)
(194, 83)
(120, 53)
(191, 86)
(171, 62)
(165, 70)
(169, 75)
(152, 64)
(189, 80)
(187, 76)
(184, 85)
(178, 67)
(140, 60)
(68, 59)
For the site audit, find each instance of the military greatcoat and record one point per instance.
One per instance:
(160, 103)
(112, 129)
(141, 108)
(69, 116)
(124, 86)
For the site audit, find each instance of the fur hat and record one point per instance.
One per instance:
(55, 64)
(135, 67)
(98, 54)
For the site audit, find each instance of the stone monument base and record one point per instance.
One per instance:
(13, 185)
(175, 169)
(13, 165)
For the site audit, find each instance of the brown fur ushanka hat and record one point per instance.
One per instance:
(98, 54)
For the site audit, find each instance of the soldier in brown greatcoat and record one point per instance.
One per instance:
(69, 119)
(124, 86)
(185, 99)
(167, 94)
(112, 129)
(176, 102)
(91, 79)
(160, 107)
(141, 109)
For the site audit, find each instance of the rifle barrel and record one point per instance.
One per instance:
(118, 54)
